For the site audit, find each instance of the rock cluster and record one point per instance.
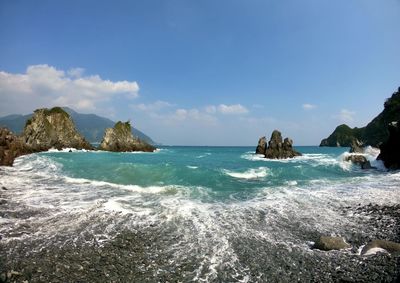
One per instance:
(390, 150)
(356, 146)
(120, 139)
(52, 128)
(327, 243)
(11, 147)
(277, 148)
(359, 160)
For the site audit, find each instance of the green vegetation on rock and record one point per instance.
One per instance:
(374, 133)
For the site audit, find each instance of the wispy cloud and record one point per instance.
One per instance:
(308, 106)
(45, 86)
(235, 109)
(345, 116)
(155, 106)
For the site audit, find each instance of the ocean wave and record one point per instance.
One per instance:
(254, 173)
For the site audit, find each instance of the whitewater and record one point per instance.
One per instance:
(201, 214)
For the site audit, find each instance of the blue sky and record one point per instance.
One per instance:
(204, 72)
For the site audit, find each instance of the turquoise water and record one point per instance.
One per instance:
(220, 202)
(226, 172)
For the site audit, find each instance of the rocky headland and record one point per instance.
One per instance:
(120, 139)
(277, 147)
(373, 134)
(11, 146)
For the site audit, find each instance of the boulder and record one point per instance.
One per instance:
(262, 143)
(52, 128)
(327, 243)
(390, 150)
(120, 139)
(11, 147)
(379, 245)
(359, 160)
(278, 149)
(356, 146)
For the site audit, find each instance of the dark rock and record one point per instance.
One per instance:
(374, 133)
(262, 144)
(11, 147)
(389, 246)
(359, 160)
(390, 150)
(120, 139)
(327, 243)
(4, 188)
(279, 150)
(53, 128)
(356, 146)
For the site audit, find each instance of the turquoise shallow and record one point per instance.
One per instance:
(221, 202)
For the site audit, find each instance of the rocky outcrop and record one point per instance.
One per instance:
(374, 133)
(378, 245)
(278, 149)
(11, 147)
(120, 139)
(390, 150)
(356, 146)
(328, 243)
(359, 159)
(52, 128)
(262, 143)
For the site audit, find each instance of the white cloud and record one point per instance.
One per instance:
(211, 109)
(45, 86)
(307, 106)
(155, 106)
(345, 116)
(234, 109)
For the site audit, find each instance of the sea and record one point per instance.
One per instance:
(225, 213)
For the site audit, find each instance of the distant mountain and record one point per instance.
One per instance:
(91, 126)
(374, 133)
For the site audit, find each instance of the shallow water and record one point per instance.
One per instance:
(212, 205)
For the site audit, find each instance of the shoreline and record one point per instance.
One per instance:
(143, 255)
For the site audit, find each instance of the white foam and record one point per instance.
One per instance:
(254, 173)
(192, 167)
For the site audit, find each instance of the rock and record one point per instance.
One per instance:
(356, 146)
(4, 188)
(11, 147)
(262, 143)
(359, 160)
(279, 150)
(120, 139)
(372, 134)
(53, 128)
(390, 150)
(327, 243)
(389, 246)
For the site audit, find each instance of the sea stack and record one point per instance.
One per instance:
(277, 147)
(120, 139)
(52, 128)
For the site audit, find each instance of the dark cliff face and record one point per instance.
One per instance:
(375, 133)
(11, 147)
(390, 150)
(52, 128)
(120, 139)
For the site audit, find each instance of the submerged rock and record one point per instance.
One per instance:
(327, 243)
(279, 150)
(11, 147)
(262, 143)
(359, 160)
(52, 128)
(390, 150)
(120, 139)
(378, 245)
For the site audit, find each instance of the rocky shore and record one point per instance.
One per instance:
(142, 254)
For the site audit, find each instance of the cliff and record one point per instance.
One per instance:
(375, 133)
(120, 139)
(52, 128)
(11, 147)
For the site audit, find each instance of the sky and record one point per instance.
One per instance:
(204, 72)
